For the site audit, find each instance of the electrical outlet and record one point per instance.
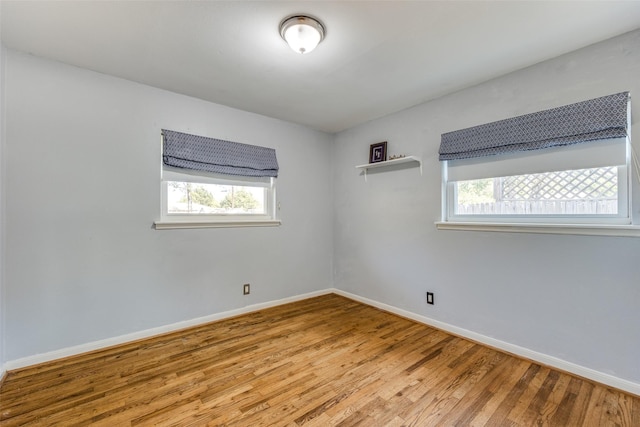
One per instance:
(246, 289)
(430, 298)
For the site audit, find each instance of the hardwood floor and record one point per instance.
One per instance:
(320, 362)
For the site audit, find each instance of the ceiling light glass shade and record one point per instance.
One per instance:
(302, 33)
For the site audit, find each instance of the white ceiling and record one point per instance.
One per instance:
(378, 57)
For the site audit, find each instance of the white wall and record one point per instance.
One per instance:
(83, 262)
(2, 233)
(575, 298)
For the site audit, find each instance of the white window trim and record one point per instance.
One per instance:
(623, 218)
(184, 221)
(614, 226)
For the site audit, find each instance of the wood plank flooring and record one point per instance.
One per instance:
(324, 361)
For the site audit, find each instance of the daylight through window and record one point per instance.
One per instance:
(197, 199)
(573, 192)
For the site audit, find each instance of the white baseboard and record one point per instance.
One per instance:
(544, 359)
(148, 333)
(554, 362)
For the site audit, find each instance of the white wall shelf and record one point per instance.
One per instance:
(388, 163)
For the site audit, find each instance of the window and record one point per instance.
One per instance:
(572, 192)
(206, 196)
(211, 183)
(582, 183)
(567, 165)
(187, 198)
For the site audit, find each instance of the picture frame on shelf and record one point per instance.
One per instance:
(378, 152)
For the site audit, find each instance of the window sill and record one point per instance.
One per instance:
(576, 229)
(172, 225)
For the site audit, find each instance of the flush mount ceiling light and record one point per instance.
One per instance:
(302, 33)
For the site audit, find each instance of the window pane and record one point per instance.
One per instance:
(573, 192)
(208, 199)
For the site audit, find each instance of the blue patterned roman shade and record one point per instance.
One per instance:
(185, 151)
(596, 119)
